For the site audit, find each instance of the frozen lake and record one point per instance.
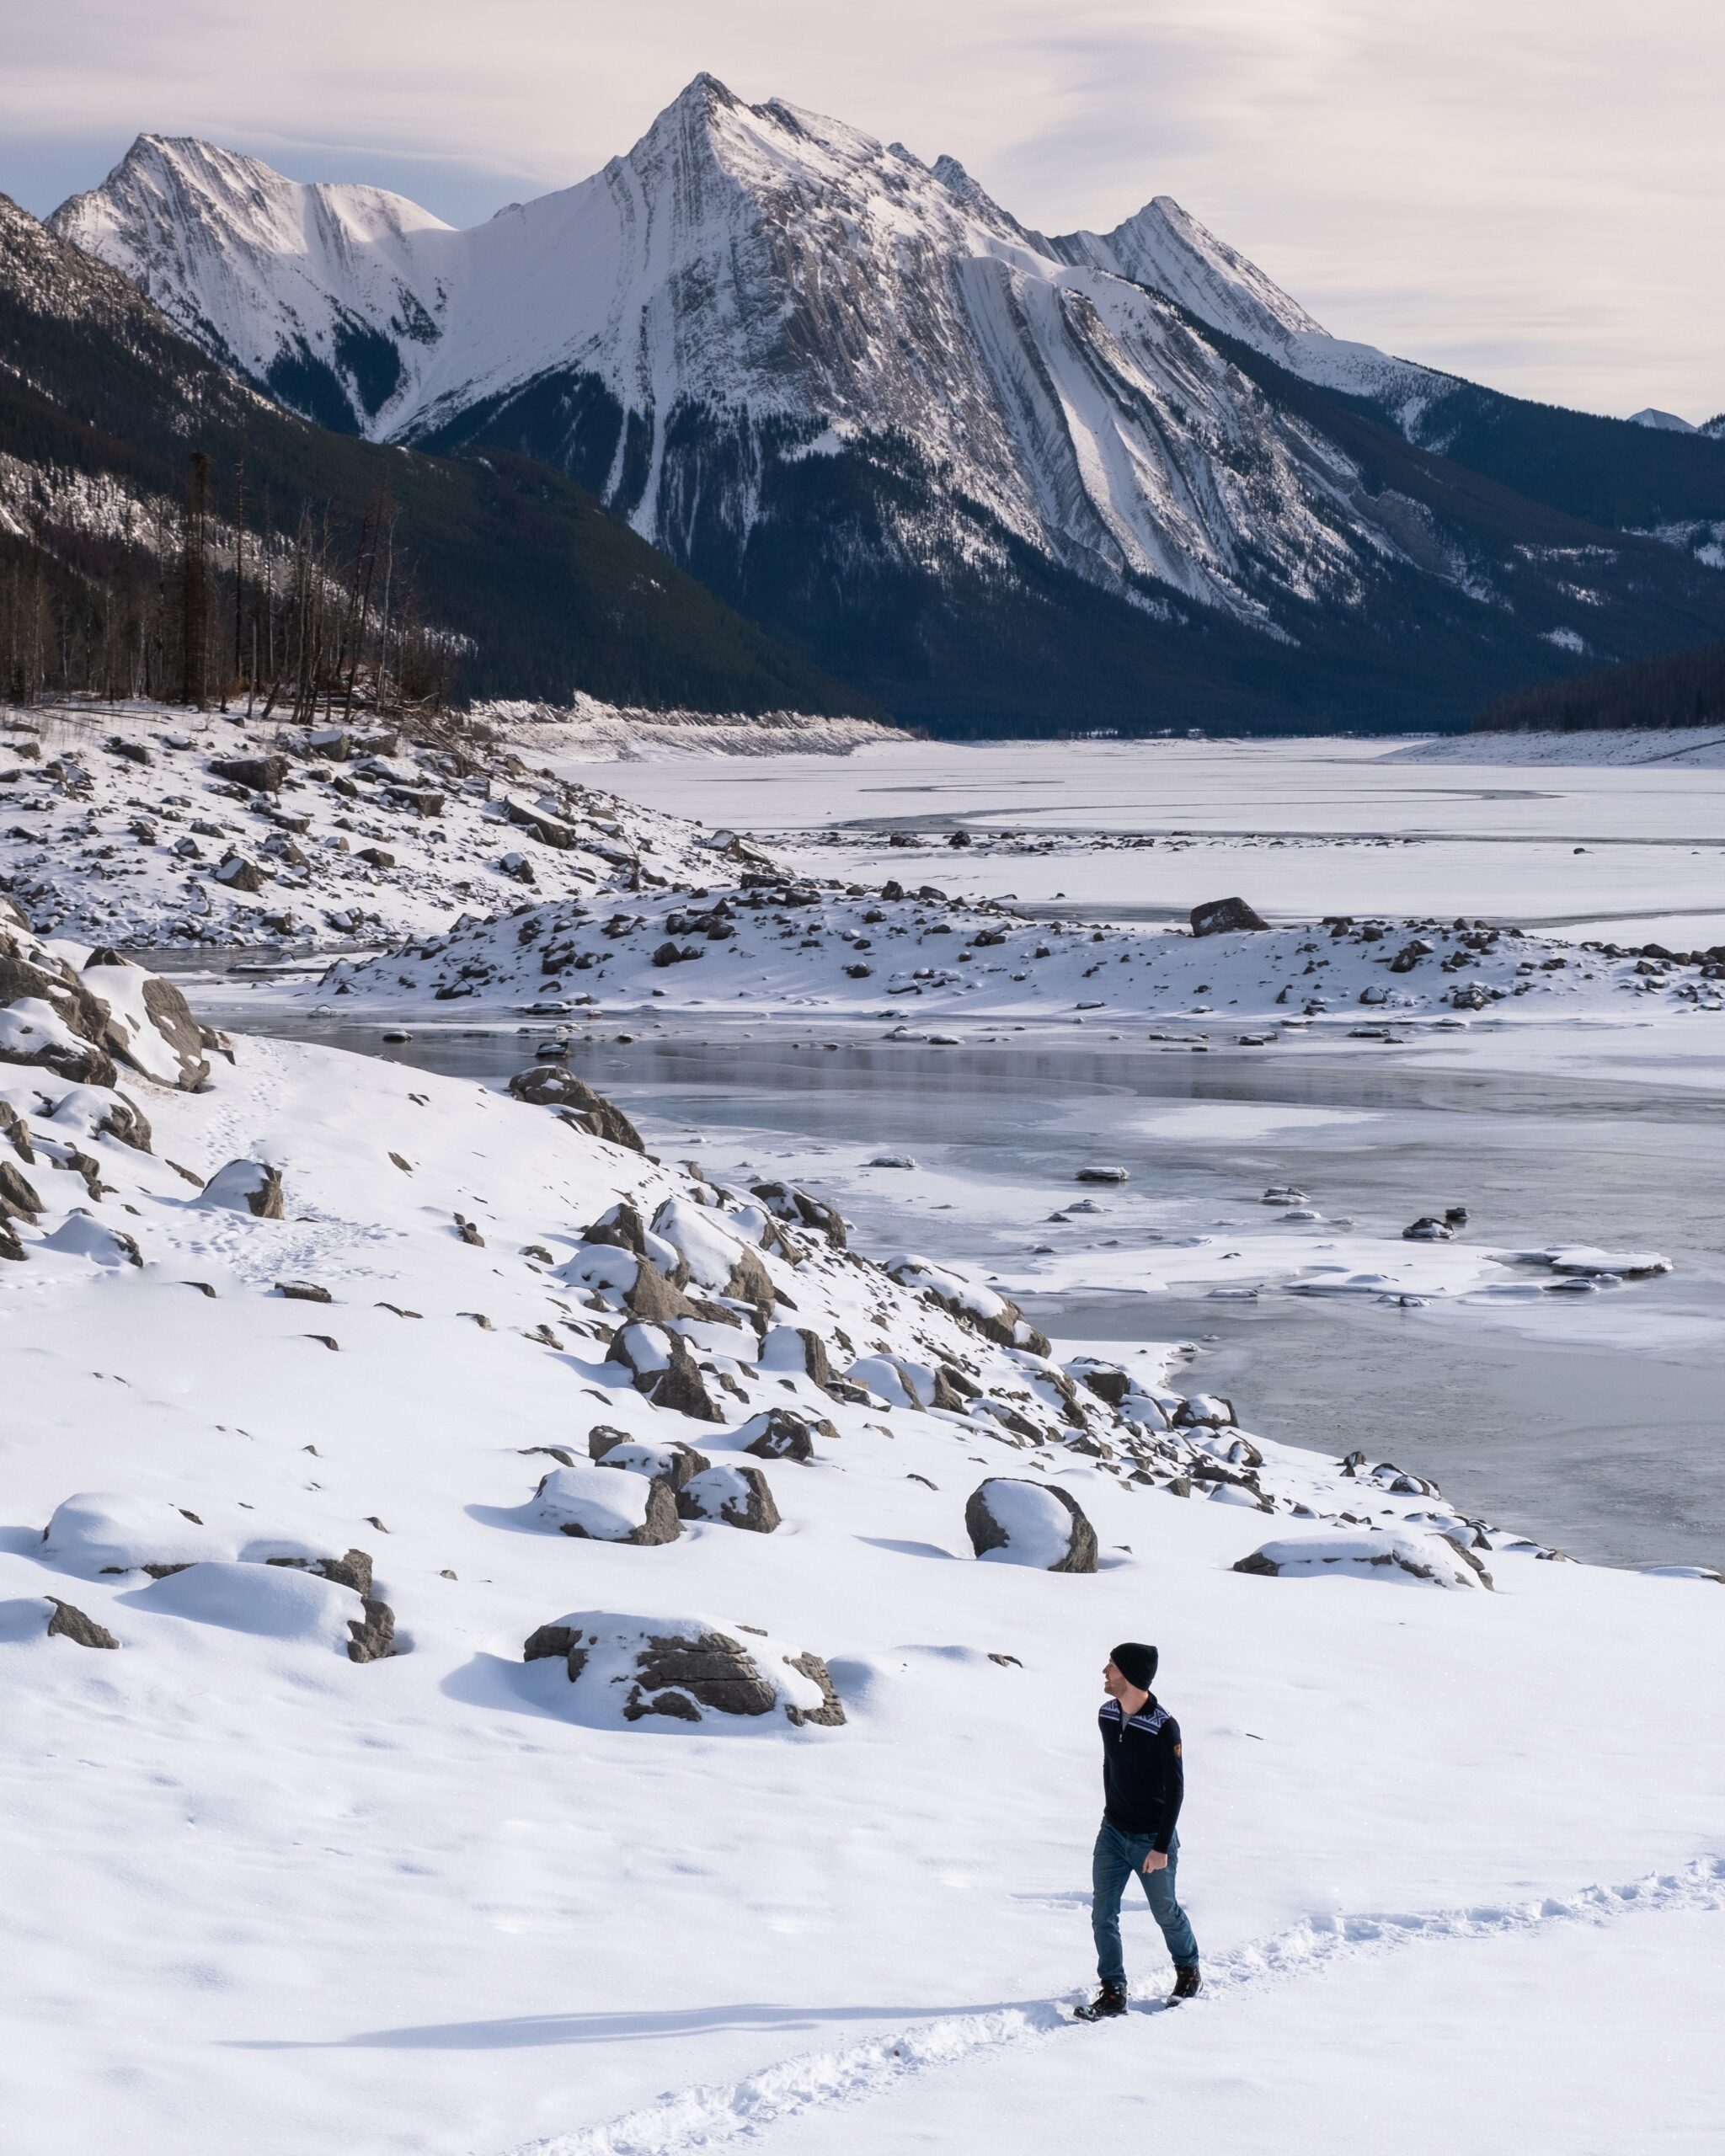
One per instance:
(1591, 1422)
(1302, 828)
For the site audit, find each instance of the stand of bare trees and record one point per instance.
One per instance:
(204, 609)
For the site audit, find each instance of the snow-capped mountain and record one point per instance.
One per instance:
(795, 359)
(751, 285)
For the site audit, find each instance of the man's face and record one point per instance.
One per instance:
(1115, 1685)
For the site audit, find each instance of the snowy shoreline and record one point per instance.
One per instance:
(327, 1360)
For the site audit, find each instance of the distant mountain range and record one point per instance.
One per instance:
(994, 480)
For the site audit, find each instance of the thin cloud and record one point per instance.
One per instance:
(1532, 192)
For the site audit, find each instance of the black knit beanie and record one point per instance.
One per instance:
(1135, 1662)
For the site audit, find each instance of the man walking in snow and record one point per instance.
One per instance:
(1143, 1782)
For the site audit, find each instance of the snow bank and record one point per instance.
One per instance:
(276, 1602)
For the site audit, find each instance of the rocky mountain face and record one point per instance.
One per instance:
(103, 405)
(993, 477)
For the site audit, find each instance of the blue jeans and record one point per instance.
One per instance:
(1117, 1856)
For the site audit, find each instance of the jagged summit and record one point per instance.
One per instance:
(864, 403)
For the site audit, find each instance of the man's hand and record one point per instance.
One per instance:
(1157, 1860)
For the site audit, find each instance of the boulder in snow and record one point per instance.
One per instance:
(101, 1531)
(662, 1370)
(695, 1670)
(80, 1235)
(672, 1463)
(264, 1599)
(731, 1494)
(779, 1434)
(1224, 917)
(28, 1617)
(551, 1084)
(246, 1187)
(1037, 1523)
(587, 1501)
(1365, 1553)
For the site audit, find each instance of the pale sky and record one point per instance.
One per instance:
(1529, 192)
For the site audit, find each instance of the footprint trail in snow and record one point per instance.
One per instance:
(717, 2114)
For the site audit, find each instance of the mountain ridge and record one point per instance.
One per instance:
(865, 405)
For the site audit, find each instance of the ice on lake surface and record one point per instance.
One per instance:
(1590, 1421)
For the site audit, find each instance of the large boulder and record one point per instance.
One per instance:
(663, 1370)
(47, 1016)
(260, 774)
(691, 1670)
(80, 1235)
(785, 1202)
(588, 1500)
(553, 1084)
(1368, 1553)
(731, 1494)
(996, 1316)
(149, 1024)
(780, 1434)
(673, 1463)
(1224, 917)
(246, 1187)
(1014, 1522)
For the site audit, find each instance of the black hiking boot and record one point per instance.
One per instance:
(1187, 1984)
(1109, 2001)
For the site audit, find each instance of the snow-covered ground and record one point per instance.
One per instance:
(145, 828)
(1692, 748)
(1453, 1852)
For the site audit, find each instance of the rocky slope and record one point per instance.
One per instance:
(447, 1543)
(113, 822)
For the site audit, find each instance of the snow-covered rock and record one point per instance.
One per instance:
(1010, 1521)
(100, 1531)
(246, 1187)
(1368, 1553)
(585, 1500)
(732, 1494)
(30, 1619)
(628, 1669)
(277, 1602)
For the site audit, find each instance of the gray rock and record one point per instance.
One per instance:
(1429, 1229)
(989, 1532)
(779, 1434)
(247, 1186)
(677, 1385)
(303, 1291)
(1224, 917)
(652, 1297)
(549, 1085)
(70, 1623)
(785, 1202)
(258, 774)
(676, 1464)
(730, 1493)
